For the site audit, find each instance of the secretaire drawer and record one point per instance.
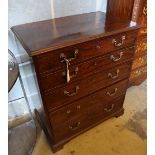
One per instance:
(92, 116)
(77, 53)
(81, 70)
(75, 90)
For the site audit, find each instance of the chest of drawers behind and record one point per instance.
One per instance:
(139, 68)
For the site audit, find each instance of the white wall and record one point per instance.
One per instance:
(25, 11)
(71, 7)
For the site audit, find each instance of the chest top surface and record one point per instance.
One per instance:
(48, 35)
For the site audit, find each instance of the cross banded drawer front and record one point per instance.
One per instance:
(81, 106)
(90, 117)
(85, 86)
(82, 70)
(110, 75)
(105, 75)
(78, 53)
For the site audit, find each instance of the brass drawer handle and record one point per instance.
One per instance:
(112, 93)
(145, 11)
(114, 76)
(74, 127)
(109, 109)
(63, 57)
(72, 94)
(72, 76)
(114, 41)
(115, 59)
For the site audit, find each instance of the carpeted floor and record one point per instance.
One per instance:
(22, 139)
(125, 135)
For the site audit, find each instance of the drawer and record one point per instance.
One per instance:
(93, 102)
(139, 62)
(75, 90)
(90, 118)
(99, 79)
(54, 60)
(87, 68)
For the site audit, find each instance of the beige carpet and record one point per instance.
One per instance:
(125, 135)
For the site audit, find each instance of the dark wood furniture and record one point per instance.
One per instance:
(139, 67)
(135, 10)
(118, 10)
(83, 64)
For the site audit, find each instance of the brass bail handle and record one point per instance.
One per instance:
(115, 59)
(75, 127)
(112, 93)
(63, 57)
(118, 44)
(109, 109)
(114, 76)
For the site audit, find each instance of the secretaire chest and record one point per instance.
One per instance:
(83, 65)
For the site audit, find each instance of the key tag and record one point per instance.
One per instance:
(67, 65)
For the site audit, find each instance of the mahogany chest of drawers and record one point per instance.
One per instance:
(83, 65)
